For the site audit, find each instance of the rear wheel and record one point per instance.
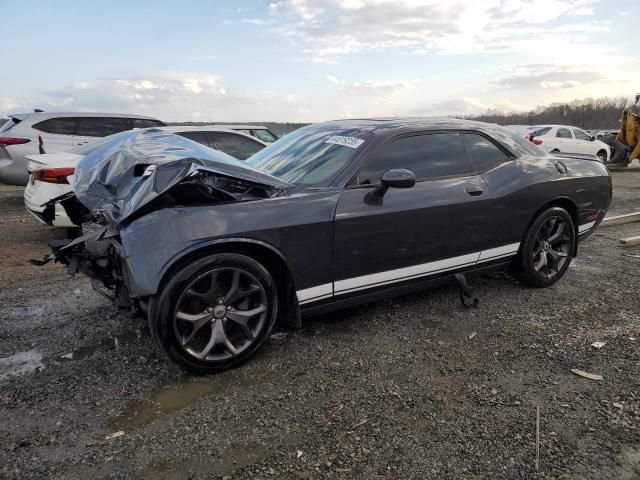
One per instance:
(215, 312)
(547, 249)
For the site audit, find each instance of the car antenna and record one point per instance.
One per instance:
(37, 110)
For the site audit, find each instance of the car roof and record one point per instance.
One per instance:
(44, 115)
(207, 128)
(394, 125)
(552, 125)
(242, 127)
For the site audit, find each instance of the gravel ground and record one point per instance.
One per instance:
(413, 388)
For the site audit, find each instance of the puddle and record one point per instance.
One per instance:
(110, 343)
(171, 399)
(19, 364)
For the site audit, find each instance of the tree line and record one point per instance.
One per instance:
(590, 114)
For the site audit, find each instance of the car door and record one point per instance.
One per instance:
(565, 141)
(410, 233)
(237, 146)
(583, 142)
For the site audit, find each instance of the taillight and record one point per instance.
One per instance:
(53, 175)
(5, 141)
(537, 141)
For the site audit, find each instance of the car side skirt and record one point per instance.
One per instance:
(366, 282)
(403, 288)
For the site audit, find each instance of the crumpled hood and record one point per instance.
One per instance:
(133, 168)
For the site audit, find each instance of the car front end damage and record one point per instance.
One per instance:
(145, 172)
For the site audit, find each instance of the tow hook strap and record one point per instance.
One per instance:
(465, 291)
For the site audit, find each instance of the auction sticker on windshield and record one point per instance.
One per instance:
(351, 142)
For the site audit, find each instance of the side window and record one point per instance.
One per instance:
(102, 126)
(563, 133)
(60, 126)
(144, 123)
(235, 145)
(200, 137)
(484, 154)
(580, 135)
(427, 156)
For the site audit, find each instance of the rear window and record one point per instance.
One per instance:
(146, 123)
(515, 143)
(58, 126)
(541, 131)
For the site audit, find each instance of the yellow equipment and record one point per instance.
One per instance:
(630, 127)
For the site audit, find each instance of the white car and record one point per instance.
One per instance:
(39, 132)
(567, 139)
(52, 175)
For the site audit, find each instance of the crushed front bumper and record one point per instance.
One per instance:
(99, 255)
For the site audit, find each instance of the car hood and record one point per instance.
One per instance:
(123, 175)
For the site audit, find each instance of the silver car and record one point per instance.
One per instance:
(32, 133)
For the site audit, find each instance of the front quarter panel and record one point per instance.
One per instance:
(292, 226)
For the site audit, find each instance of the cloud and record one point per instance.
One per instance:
(548, 76)
(171, 96)
(329, 29)
(378, 87)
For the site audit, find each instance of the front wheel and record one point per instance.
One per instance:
(215, 312)
(547, 248)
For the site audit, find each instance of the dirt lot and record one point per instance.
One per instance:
(411, 388)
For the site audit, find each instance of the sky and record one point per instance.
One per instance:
(313, 60)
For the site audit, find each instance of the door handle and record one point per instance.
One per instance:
(474, 190)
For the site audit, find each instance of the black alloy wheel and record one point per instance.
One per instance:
(215, 312)
(547, 248)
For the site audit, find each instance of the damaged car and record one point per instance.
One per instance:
(215, 251)
(51, 175)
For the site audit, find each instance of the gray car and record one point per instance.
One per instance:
(215, 250)
(39, 132)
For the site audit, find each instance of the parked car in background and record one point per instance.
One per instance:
(31, 133)
(213, 250)
(260, 132)
(567, 139)
(51, 175)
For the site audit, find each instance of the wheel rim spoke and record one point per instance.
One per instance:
(198, 321)
(210, 294)
(218, 337)
(557, 233)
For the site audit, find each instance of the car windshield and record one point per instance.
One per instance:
(309, 156)
(8, 125)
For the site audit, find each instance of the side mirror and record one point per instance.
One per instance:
(592, 138)
(395, 178)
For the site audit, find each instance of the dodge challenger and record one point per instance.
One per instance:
(214, 251)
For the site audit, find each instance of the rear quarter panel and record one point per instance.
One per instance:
(521, 187)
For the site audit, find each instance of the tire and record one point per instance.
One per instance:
(531, 268)
(205, 324)
(602, 155)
